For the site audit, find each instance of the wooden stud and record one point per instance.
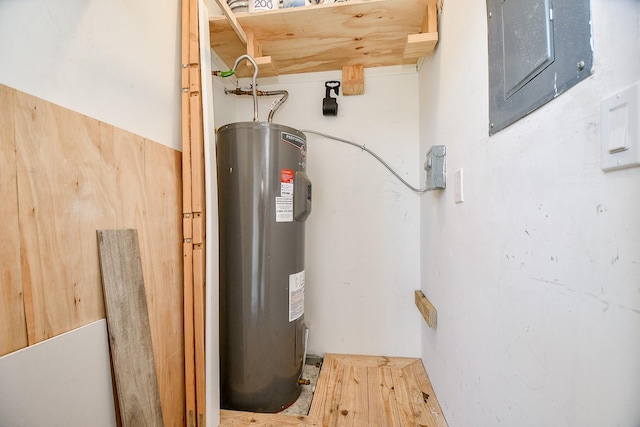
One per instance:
(199, 329)
(353, 80)
(198, 225)
(193, 221)
(194, 32)
(197, 154)
(189, 339)
(189, 336)
(186, 148)
(194, 78)
(427, 309)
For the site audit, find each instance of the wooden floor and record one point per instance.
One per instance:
(360, 391)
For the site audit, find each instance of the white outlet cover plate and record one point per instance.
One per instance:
(458, 186)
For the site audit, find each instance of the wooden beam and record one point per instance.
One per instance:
(193, 216)
(129, 331)
(266, 66)
(430, 21)
(189, 339)
(427, 310)
(199, 305)
(353, 80)
(424, 43)
(197, 154)
(233, 22)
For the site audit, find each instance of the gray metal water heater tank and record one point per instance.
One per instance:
(264, 198)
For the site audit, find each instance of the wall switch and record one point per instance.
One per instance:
(621, 130)
(458, 186)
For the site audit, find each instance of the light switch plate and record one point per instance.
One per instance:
(458, 185)
(620, 130)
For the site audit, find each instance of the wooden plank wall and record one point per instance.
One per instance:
(63, 176)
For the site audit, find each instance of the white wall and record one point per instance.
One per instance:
(362, 247)
(62, 381)
(116, 61)
(536, 276)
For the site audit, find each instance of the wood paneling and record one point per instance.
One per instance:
(13, 325)
(68, 176)
(60, 199)
(163, 277)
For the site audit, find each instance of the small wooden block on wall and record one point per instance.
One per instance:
(353, 80)
(427, 310)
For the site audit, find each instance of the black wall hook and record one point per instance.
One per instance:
(330, 105)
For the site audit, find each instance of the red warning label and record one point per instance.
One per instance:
(286, 176)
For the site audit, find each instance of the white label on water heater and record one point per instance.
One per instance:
(284, 209)
(296, 295)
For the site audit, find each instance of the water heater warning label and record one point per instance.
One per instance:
(296, 296)
(284, 209)
(286, 182)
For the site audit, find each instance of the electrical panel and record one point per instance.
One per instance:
(537, 50)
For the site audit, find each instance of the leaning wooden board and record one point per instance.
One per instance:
(128, 327)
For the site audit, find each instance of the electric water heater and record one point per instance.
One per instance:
(264, 198)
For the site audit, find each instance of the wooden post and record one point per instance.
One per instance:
(193, 216)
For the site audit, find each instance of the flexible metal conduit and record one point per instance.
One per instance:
(363, 148)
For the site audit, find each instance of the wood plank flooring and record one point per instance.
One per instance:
(360, 391)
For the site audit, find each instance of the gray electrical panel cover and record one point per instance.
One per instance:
(537, 50)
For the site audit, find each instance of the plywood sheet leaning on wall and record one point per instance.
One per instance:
(13, 326)
(61, 199)
(68, 176)
(163, 236)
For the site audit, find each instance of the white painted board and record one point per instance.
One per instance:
(63, 381)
